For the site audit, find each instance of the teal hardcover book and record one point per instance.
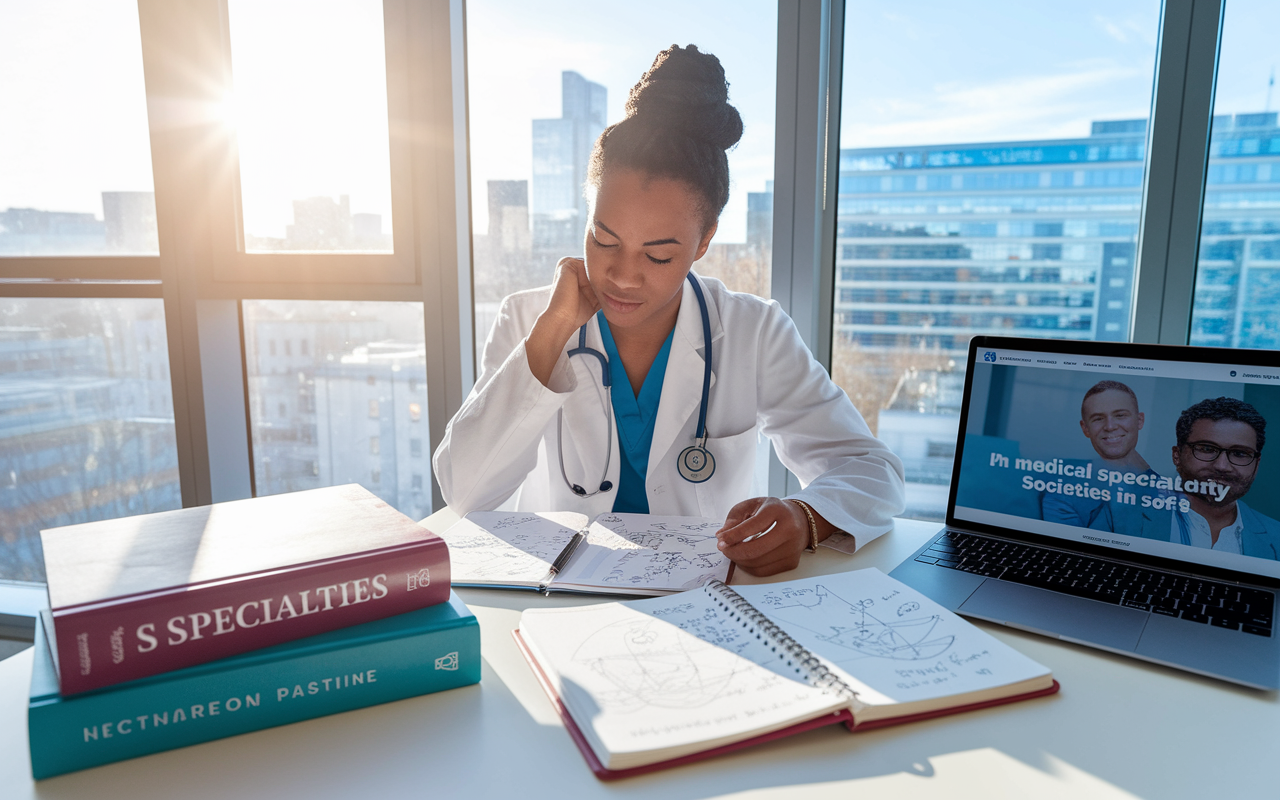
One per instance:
(429, 650)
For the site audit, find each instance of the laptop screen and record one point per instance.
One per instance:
(1161, 457)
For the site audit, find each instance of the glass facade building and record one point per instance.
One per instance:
(938, 243)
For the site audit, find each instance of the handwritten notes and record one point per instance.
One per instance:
(504, 548)
(644, 680)
(636, 554)
(895, 644)
(643, 553)
(653, 679)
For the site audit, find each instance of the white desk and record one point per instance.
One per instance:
(1119, 728)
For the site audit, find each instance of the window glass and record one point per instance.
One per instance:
(1237, 292)
(76, 111)
(544, 79)
(310, 110)
(86, 419)
(334, 392)
(990, 182)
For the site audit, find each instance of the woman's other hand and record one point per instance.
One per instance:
(773, 552)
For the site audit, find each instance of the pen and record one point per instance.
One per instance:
(755, 536)
(563, 559)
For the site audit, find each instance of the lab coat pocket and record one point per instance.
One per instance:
(735, 468)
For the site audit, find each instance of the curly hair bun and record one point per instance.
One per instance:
(686, 90)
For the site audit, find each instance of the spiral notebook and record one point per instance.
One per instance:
(648, 684)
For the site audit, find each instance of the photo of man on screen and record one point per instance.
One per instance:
(1110, 420)
(1219, 446)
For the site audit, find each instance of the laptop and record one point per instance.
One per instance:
(1117, 496)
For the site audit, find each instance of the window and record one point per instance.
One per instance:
(83, 184)
(310, 111)
(536, 110)
(993, 201)
(1032, 234)
(364, 353)
(1237, 290)
(415, 448)
(86, 427)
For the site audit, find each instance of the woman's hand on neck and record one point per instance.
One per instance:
(572, 303)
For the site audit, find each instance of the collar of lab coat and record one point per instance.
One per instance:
(681, 388)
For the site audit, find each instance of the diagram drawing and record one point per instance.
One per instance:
(897, 634)
(649, 663)
(657, 552)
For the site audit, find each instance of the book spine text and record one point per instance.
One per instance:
(109, 643)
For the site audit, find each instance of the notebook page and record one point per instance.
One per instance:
(665, 676)
(647, 552)
(897, 645)
(508, 547)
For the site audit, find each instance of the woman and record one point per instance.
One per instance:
(668, 436)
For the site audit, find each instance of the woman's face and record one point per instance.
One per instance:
(643, 235)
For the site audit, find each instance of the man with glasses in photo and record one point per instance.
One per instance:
(1219, 446)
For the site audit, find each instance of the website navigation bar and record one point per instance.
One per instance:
(1194, 370)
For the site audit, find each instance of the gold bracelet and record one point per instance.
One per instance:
(813, 524)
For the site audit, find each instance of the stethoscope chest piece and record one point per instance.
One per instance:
(696, 464)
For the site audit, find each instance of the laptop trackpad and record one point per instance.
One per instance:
(1048, 612)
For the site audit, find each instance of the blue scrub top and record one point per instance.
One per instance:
(635, 416)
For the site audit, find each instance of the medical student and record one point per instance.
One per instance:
(596, 395)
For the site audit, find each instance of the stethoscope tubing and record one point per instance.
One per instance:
(606, 379)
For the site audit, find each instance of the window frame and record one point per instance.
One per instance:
(203, 277)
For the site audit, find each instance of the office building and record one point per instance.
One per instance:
(937, 243)
(561, 149)
(1238, 282)
(86, 423)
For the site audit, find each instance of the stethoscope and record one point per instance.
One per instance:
(695, 463)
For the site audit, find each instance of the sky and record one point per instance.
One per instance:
(917, 72)
(517, 50)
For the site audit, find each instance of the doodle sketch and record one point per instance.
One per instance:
(642, 551)
(900, 634)
(497, 547)
(650, 664)
(682, 652)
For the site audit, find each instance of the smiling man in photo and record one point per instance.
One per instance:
(1110, 420)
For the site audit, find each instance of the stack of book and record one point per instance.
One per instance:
(181, 627)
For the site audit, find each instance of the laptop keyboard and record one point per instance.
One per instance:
(1223, 605)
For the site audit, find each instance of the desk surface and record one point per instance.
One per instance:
(1119, 728)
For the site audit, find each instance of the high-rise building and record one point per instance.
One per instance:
(1237, 300)
(561, 149)
(760, 218)
(86, 423)
(937, 243)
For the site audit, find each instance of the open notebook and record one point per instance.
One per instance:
(648, 684)
(630, 554)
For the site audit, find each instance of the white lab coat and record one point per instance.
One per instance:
(503, 438)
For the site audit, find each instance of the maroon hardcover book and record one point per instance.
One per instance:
(142, 595)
